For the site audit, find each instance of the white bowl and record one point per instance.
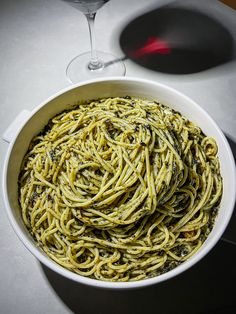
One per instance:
(109, 87)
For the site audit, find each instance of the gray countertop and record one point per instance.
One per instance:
(38, 38)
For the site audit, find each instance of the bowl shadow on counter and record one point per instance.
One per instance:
(177, 40)
(230, 232)
(205, 288)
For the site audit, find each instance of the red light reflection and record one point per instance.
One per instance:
(153, 45)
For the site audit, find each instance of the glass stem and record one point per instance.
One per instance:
(94, 63)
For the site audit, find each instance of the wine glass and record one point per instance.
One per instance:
(95, 63)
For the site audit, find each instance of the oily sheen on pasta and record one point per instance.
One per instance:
(120, 189)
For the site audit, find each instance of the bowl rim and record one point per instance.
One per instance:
(107, 284)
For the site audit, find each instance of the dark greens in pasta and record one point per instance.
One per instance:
(120, 189)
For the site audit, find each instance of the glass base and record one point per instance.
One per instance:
(78, 69)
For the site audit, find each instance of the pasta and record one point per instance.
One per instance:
(120, 189)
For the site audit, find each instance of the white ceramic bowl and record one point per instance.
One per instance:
(39, 117)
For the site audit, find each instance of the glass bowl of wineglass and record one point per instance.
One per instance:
(94, 63)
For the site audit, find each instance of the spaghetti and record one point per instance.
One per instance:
(120, 189)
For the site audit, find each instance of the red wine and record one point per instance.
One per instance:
(87, 6)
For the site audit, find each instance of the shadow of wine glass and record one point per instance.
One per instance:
(177, 40)
(109, 63)
(202, 289)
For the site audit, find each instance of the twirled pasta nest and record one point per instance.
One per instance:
(120, 189)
